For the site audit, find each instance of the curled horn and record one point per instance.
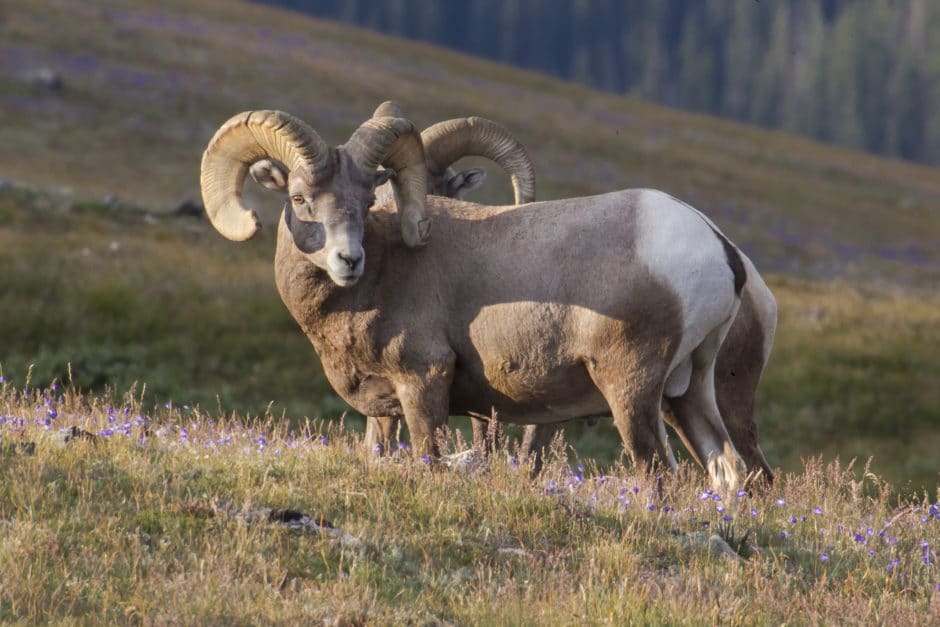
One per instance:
(394, 143)
(242, 140)
(388, 109)
(446, 142)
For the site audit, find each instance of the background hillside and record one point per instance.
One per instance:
(860, 73)
(98, 272)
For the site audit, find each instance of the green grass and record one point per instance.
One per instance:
(107, 298)
(138, 527)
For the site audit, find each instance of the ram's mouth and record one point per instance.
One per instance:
(345, 280)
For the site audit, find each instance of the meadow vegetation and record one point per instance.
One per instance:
(111, 512)
(106, 296)
(105, 290)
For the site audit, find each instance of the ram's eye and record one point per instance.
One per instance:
(298, 199)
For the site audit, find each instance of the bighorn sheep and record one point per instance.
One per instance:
(444, 144)
(543, 312)
(742, 356)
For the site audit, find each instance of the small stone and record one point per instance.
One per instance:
(719, 548)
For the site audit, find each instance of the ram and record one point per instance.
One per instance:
(541, 312)
(742, 356)
(444, 143)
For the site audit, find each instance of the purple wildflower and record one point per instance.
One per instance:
(792, 520)
(824, 557)
(786, 534)
(716, 497)
(753, 512)
(818, 511)
(651, 507)
(741, 494)
(871, 552)
(53, 414)
(2, 379)
(426, 459)
(840, 529)
(636, 489)
(323, 441)
(706, 494)
(377, 448)
(860, 538)
(781, 502)
(719, 508)
(892, 565)
(726, 518)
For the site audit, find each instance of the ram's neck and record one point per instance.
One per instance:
(312, 298)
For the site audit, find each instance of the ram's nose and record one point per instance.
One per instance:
(346, 266)
(350, 259)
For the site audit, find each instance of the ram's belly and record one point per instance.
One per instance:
(523, 361)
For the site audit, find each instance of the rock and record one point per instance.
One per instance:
(465, 461)
(719, 548)
(45, 78)
(289, 519)
(67, 434)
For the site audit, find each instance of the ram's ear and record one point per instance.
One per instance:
(465, 182)
(269, 174)
(382, 176)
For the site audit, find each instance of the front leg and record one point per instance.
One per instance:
(425, 401)
(381, 431)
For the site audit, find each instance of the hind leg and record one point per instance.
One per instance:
(699, 420)
(634, 400)
(485, 434)
(535, 439)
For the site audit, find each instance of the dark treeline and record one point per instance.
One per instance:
(861, 73)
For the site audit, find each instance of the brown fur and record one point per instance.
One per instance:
(446, 330)
(738, 368)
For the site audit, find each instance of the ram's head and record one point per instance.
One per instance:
(330, 189)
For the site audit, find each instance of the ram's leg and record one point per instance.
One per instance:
(699, 421)
(425, 401)
(634, 399)
(740, 362)
(535, 439)
(381, 432)
(485, 434)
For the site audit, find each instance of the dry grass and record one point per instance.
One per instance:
(128, 527)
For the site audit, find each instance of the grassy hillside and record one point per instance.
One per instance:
(145, 85)
(96, 273)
